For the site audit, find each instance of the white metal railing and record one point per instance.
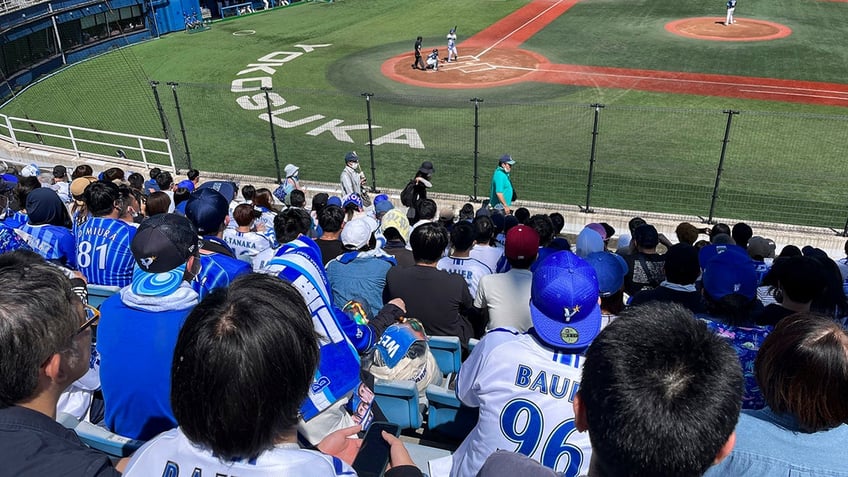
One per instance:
(81, 139)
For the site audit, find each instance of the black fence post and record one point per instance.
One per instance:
(591, 178)
(371, 141)
(153, 85)
(266, 89)
(173, 86)
(477, 102)
(724, 142)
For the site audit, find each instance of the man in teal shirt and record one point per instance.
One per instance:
(501, 193)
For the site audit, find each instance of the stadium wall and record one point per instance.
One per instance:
(41, 38)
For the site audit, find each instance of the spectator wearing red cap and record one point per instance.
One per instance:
(504, 296)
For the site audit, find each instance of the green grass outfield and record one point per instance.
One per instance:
(655, 151)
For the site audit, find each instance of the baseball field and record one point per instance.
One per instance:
(648, 98)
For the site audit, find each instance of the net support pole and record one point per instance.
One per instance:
(153, 86)
(476, 102)
(173, 86)
(724, 142)
(367, 97)
(266, 89)
(592, 156)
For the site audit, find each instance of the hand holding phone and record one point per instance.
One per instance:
(373, 456)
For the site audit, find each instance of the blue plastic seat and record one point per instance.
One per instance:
(399, 402)
(448, 353)
(447, 415)
(100, 438)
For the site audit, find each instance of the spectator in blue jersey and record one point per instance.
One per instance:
(180, 197)
(460, 262)
(192, 180)
(23, 188)
(48, 228)
(207, 210)
(103, 240)
(360, 272)
(46, 341)
(298, 261)
(151, 186)
(139, 326)
(9, 239)
(226, 338)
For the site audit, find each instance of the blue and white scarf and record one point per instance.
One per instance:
(299, 263)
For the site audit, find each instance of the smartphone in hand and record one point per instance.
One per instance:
(373, 456)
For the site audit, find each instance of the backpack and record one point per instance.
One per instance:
(407, 195)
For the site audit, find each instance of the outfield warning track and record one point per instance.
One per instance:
(493, 57)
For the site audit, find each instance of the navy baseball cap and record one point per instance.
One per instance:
(161, 248)
(507, 159)
(564, 303)
(351, 157)
(207, 209)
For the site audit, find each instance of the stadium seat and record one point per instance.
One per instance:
(447, 415)
(448, 353)
(97, 294)
(100, 438)
(399, 402)
(472, 342)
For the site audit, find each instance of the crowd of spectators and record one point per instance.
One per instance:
(245, 331)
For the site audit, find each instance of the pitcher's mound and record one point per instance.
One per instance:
(713, 28)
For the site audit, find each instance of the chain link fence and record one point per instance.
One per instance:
(744, 165)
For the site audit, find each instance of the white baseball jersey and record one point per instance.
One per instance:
(471, 269)
(171, 454)
(525, 392)
(247, 245)
(487, 254)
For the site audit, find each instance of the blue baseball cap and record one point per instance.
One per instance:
(352, 199)
(610, 269)
(334, 200)
(731, 271)
(708, 252)
(564, 301)
(351, 157)
(507, 159)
